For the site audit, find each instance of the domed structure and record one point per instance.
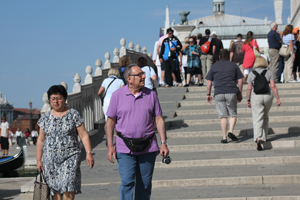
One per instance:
(219, 7)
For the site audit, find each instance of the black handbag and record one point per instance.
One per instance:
(136, 144)
(41, 189)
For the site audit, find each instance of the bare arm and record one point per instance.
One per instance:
(214, 50)
(275, 91)
(85, 138)
(39, 150)
(208, 88)
(160, 124)
(100, 91)
(249, 89)
(154, 77)
(240, 85)
(231, 56)
(109, 131)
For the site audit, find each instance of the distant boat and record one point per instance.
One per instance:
(11, 163)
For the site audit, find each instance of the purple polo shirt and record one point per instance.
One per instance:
(134, 116)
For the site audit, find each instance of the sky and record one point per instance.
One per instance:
(43, 43)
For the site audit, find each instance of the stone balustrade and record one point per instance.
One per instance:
(84, 97)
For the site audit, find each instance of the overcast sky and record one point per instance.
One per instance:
(43, 43)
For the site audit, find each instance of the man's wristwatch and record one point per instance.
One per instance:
(248, 100)
(164, 143)
(208, 94)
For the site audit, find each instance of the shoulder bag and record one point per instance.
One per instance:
(41, 189)
(102, 99)
(256, 52)
(285, 50)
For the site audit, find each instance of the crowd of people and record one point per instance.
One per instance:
(132, 109)
(9, 138)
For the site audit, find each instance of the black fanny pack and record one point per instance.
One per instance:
(136, 144)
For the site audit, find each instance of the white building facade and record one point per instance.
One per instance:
(6, 109)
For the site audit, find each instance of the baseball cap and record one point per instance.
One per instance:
(296, 30)
(214, 33)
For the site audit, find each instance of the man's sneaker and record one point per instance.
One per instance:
(232, 137)
(175, 83)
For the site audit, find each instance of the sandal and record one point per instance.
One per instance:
(166, 86)
(224, 141)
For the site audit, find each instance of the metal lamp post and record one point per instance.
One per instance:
(30, 108)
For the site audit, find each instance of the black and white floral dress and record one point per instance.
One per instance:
(61, 151)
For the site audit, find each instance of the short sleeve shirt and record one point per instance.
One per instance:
(113, 87)
(134, 116)
(212, 43)
(238, 55)
(224, 75)
(149, 72)
(251, 77)
(4, 126)
(287, 38)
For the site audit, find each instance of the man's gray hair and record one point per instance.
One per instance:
(273, 24)
(127, 71)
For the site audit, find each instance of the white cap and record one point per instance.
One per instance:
(214, 33)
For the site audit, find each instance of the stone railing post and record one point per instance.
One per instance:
(98, 71)
(116, 57)
(107, 63)
(46, 107)
(77, 86)
(138, 48)
(150, 55)
(144, 50)
(88, 78)
(131, 46)
(123, 49)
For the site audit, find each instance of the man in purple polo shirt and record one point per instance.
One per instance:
(133, 109)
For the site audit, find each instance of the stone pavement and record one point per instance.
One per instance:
(202, 167)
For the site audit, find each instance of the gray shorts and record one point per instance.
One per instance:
(226, 105)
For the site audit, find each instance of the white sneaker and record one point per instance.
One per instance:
(175, 83)
(293, 81)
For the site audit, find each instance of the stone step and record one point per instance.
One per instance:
(203, 95)
(218, 133)
(234, 146)
(201, 102)
(274, 108)
(279, 86)
(240, 120)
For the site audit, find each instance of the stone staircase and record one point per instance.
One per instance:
(202, 167)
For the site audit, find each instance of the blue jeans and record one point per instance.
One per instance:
(136, 170)
(280, 68)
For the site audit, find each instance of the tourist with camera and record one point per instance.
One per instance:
(133, 111)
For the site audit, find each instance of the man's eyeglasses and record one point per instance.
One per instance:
(57, 99)
(170, 33)
(139, 74)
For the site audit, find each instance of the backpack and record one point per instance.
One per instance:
(261, 85)
(205, 47)
(121, 72)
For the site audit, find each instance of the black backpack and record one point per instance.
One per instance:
(261, 85)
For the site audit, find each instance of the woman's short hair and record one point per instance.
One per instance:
(57, 89)
(3, 118)
(141, 62)
(186, 40)
(199, 36)
(260, 62)
(124, 61)
(288, 30)
(113, 72)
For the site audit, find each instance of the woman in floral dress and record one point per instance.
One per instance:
(58, 148)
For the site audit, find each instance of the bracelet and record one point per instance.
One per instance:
(89, 152)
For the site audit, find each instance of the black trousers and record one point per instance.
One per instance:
(4, 143)
(172, 66)
(34, 140)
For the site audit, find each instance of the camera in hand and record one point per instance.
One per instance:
(166, 159)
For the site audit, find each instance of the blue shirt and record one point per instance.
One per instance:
(287, 38)
(274, 39)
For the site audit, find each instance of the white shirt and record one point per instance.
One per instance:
(18, 133)
(34, 133)
(4, 126)
(113, 87)
(155, 55)
(149, 72)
